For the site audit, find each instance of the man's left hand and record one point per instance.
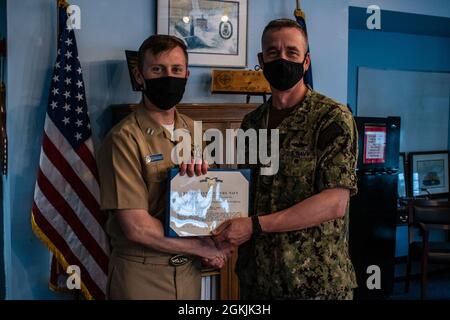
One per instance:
(234, 231)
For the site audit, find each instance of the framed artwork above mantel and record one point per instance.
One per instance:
(214, 31)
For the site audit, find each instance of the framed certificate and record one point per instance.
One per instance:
(197, 205)
(374, 144)
(429, 173)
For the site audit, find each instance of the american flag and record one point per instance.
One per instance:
(66, 214)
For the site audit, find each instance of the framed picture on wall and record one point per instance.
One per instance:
(402, 176)
(214, 31)
(132, 62)
(429, 173)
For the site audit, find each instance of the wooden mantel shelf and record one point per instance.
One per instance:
(206, 112)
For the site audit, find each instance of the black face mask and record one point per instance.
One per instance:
(165, 92)
(283, 74)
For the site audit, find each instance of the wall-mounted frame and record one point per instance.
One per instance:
(132, 62)
(429, 173)
(215, 31)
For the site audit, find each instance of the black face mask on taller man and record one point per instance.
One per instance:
(283, 74)
(165, 92)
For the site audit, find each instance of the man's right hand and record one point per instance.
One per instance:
(212, 256)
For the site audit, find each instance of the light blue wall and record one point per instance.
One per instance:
(2, 18)
(401, 51)
(385, 50)
(108, 28)
(2, 266)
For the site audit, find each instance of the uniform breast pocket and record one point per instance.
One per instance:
(154, 173)
(156, 181)
(295, 162)
(296, 175)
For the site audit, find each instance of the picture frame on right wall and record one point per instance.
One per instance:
(429, 173)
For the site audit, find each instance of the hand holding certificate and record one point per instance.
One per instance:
(197, 205)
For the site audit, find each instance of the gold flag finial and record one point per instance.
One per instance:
(298, 12)
(62, 3)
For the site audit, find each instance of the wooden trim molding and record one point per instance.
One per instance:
(206, 112)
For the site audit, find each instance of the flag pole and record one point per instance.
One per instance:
(63, 4)
(298, 11)
(300, 17)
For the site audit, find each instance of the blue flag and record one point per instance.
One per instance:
(300, 17)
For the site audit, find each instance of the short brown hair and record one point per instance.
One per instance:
(278, 24)
(157, 44)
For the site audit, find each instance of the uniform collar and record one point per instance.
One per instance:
(150, 126)
(296, 119)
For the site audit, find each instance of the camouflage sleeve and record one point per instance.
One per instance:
(337, 147)
(245, 124)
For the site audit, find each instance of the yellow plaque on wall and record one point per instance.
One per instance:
(239, 82)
